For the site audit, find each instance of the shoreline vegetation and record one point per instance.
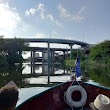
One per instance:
(99, 55)
(11, 51)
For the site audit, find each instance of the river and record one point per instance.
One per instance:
(33, 83)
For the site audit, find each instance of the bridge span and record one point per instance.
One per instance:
(60, 41)
(50, 54)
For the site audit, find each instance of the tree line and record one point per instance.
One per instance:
(11, 51)
(98, 54)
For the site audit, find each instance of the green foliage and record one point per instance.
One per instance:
(101, 76)
(100, 53)
(74, 55)
(12, 49)
(69, 62)
(3, 60)
(1, 43)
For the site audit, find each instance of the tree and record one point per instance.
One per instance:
(12, 49)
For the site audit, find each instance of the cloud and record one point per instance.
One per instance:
(3, 1)
(43, 14)
(63, 11)
(78, 18)
(49, 16)
(81, 10)
(31, 11)
(9, 19)
(58, 23)
(41, 9)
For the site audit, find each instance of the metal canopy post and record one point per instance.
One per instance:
(43, 72)
(48, 49)
(70, 54)
(31, 61)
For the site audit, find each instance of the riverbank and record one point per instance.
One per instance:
(99, 55)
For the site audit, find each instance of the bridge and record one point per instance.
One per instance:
(52, 50)
(60, 41)
(48, 53)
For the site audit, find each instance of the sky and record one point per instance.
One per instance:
(82, 20)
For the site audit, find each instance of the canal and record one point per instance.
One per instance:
(33, 83)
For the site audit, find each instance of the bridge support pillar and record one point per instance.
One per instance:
(52, 61)
(70, 54)
(32, 61)
(71, 45)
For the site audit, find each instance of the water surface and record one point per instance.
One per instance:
(33, 83)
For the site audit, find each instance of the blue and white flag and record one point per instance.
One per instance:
(78, 67)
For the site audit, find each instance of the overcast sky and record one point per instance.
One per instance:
(82, 20)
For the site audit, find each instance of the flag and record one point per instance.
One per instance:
(78, 67)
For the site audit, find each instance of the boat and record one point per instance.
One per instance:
(54, 98)
(70, 95)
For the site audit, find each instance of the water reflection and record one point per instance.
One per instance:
(26, 93)
(37, 81)
(11, 73)
(22, 76)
